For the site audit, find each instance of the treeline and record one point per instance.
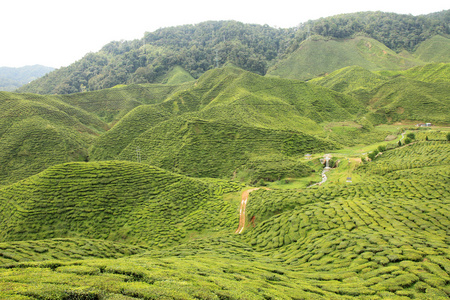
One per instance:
(198, 48)
(396, 31)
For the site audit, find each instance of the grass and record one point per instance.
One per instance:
(116, 201)
(125, 230)
(318, 56)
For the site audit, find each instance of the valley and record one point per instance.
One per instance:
(181, 179)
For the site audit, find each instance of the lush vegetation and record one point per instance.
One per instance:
(136, 191)
(396, 31)
(419, 93)
(384, 238)
(193, 49)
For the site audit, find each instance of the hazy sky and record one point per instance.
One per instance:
(57, 33)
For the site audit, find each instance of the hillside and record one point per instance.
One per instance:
(37, 132)
(228, 117)
(318, 56)
(198, 48)
(13, 78)
(435, 50)
(116, 201)
(419, 94)
(386, 237)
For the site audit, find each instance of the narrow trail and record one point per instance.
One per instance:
(244, 199)
(324, 178)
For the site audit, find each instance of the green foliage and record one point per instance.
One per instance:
(411, 136)
(151, 59)
(318, 57)
(435, 49)
(396, 31)
(118, 201)
(37, 132)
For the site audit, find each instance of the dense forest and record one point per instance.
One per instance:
(396, 31)
(198, 48)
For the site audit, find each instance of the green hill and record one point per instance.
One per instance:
(178, 75)
(429, 73)
(228, 117)
(435, 49)
(112, 104)
(350, 79)
(386, 237)
(403, 99)
(318, 56)
(419, 93)
(117, 201)
(37, 132)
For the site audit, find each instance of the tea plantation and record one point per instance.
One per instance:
(134, 192)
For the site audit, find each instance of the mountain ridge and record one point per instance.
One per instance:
(201, 47)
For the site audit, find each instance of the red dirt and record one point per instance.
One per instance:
(244, 199)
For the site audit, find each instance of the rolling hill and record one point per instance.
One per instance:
(227, 118)
(318, 56)
(37, 132)
(170, 177)
(417, 94)
(117, 201)
(386, 237)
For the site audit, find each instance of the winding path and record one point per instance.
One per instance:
(244, 199)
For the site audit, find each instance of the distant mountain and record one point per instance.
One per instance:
(13, 78)
(192, 50)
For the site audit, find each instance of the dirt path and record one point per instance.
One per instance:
(244, 199)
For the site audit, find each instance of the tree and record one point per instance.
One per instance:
(373, 154)
(411, 136)
(381, 148)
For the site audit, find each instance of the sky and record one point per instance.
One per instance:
(56, 33)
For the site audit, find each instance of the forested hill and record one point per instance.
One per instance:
(198, 48)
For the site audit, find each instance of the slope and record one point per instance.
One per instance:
(437, 72)
(350, 79)
(435, 49)
(419, 93)
(117, 201)
(318, 55)
(384, 238)
(112, 104)
(242, 107)
(203, 148)
(39, 131)
(404, 99)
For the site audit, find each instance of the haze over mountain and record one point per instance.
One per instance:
(13, 78)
